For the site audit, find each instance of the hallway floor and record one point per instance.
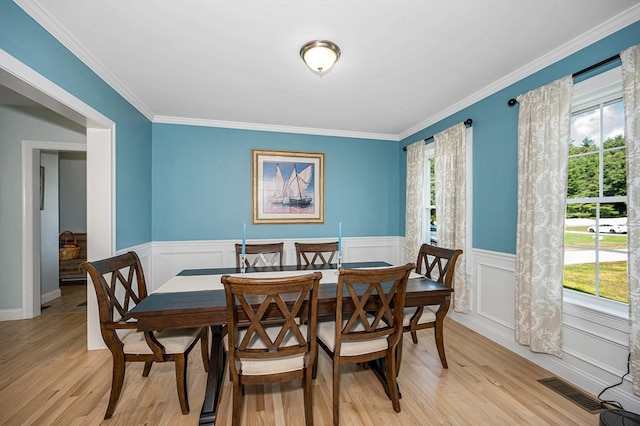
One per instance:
(73, 299)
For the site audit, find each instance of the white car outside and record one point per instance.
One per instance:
(610, 228)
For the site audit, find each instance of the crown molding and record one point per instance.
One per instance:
(272, 128)
(49, 23)
(597, 33)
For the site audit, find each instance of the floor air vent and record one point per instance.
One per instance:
(573, 394)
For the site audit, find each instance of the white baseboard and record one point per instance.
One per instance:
(48, 297)
(11, 314)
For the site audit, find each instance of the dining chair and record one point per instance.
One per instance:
(316, 253)
(271, 336)
(270, 254)
(119, 284)
(368, 326)
(439, 265)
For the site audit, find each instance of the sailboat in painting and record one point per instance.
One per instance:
(276, 193)
(292, 192)
(298, 183)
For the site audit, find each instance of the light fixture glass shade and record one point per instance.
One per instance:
(320, 55)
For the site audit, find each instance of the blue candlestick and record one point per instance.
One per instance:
(244, 239)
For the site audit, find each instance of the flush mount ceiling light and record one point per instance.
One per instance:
(320, 55)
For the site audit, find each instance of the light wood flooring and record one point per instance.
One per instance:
(47, 377)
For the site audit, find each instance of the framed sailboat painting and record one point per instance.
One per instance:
(288, 187)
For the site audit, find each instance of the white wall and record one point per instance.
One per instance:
(73, 191)
(49, 272)
(17, 124)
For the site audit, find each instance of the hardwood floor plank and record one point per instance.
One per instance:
(48, 377)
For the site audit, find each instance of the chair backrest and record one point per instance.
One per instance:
(375, 304)
(254, 303)
(260, 254)
(316, 253)
(439, 263)
(119, 284)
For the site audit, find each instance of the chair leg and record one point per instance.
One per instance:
(181, 382)
(237, 395)
(204, 347)
(314, 373)
(414, 336)
(399, 354)
(439, 335)
(117, 380)
(336, 392)
(390, 362)
(147, 368)
(307, 384)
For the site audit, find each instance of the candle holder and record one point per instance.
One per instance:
(339, 262)
(243, 264)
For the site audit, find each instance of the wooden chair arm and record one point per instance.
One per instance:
(155, 346)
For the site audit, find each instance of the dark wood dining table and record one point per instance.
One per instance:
(207, 308)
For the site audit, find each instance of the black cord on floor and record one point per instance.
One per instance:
(616, 404)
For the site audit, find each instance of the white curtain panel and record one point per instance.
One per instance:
(415, 200)
(451, 206)
(543, 150)
(631, 96)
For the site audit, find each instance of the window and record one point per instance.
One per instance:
(595, 230)
(429, 231)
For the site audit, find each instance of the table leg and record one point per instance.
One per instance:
(217, 360)
(379, 367)
(439, 331)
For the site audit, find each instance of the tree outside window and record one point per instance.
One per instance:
(595, 233)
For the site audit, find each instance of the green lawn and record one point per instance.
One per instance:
(613, 275)
(613, 279)
(584, 240)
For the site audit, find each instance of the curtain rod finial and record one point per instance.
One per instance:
(468, 122)
(512, 102)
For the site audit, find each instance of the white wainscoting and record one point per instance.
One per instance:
(595, 342)
(169, 258)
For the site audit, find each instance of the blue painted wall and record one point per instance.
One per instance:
(178, 182)
(202, 187)
(27, 41)
(495, 144)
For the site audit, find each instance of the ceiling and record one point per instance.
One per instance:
(404, 64)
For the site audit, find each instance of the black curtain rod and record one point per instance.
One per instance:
(468, 122)
(513, 101)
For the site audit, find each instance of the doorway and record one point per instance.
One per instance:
(100, 183)
(63, 220)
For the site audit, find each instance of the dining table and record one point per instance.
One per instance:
(196, 298)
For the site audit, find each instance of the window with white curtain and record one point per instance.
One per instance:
(430, 222)
(595, 264)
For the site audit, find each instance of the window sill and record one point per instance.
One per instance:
(596, 304)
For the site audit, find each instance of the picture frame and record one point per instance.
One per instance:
(288, 187)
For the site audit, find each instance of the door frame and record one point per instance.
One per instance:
(31, 297)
